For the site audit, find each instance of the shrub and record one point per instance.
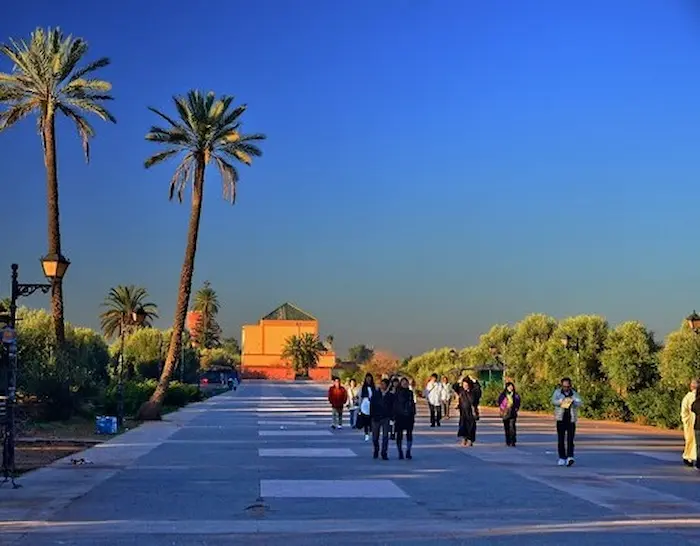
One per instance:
(138, 392)
(60, 381)
(656, 406)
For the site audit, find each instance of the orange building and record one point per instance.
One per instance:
(262, 345)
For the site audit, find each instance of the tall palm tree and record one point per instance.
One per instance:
(120, 304)
(206, 303)
(304, 351)
(46, 81)
(207, 131)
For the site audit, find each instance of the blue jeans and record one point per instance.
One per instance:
(353, 417)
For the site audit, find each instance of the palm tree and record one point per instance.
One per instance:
(120, 304)
(206, 131)
(304, 352)
(46, 80)
(206, 303)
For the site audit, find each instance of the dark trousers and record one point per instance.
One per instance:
(509, 428)
(404, 426)
(697, 448)
(566, 431)
(383, 427)
(435, 415)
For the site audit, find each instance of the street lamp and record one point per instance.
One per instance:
(57, 268)
(54, 266)
(137, 316)
(693, 321)
(571, 344)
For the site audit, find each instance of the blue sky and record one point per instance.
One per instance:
(432, 168)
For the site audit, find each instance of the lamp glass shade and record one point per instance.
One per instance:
(54, 266)
(693, 321)
(493, 350)
(453, 353)
(565, 341)
(139, 316)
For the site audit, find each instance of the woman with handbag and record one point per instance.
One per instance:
(508, 407)
(364, 422)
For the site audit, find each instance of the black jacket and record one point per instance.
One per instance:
(381, 406)
(695, 408)
(404, 404)
(476, 394)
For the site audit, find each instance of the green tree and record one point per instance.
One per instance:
(630, 357)
(580, 358)
(526, 351)
(207, 131)
(143, 352)
(46, 81)
(120, 305)
(680, 358)
(360, 354)
(206, 303)
(231, 346)
(304, 351)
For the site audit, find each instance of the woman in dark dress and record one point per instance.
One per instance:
(404, 417)
(467, 413)
(364, 422)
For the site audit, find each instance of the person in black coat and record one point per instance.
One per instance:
(381, 412)
(404, 417)
(467, 413)
(695, 408)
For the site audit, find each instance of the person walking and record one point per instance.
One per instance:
(688, 419)
(381, 411)
(695, 408)
(353, 401)
(508, 407)
(404, 417)
(433, 394)
(467, 415)
(337, 396)
(363, 421)
(446, 397)
(393, 388)
(566, 402)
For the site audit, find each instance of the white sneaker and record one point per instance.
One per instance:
(561, 462)
(570, 461)
(340, 426)
(366, 437)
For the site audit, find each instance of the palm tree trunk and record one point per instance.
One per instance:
(54, 229)
(150, 410)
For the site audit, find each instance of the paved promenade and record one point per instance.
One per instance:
(261, 466)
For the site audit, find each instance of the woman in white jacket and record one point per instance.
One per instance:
(433, 394)
(446, 396)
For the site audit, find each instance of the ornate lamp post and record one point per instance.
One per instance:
(693, 321)
(54, 269)
(138, 316)
(572, 344)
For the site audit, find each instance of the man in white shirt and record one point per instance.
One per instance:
(688, 420)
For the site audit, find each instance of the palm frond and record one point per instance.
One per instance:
(91, 107)
(85, 130)
(166, 118)
(229, 179)
(15, 113)
(91, 67)
(160, 156)
(182, 176)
